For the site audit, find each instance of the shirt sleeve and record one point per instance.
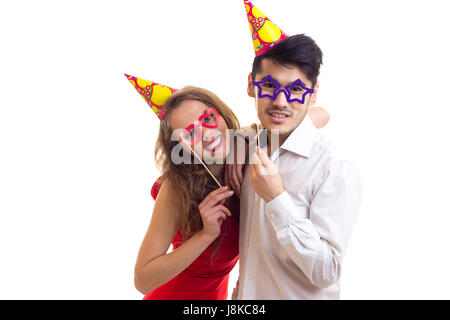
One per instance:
(234, 295)
(316, 244)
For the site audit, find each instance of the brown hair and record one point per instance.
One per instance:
(189, 182)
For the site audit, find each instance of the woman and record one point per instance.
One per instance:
(202, 224)
(199, 219)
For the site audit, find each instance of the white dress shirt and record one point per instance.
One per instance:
(293, 246)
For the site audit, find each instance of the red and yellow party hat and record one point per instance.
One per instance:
(153, 93)
(265, 34)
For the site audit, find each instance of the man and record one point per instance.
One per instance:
(296, 218)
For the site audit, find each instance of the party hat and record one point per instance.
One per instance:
(153, 93)
(265, 34)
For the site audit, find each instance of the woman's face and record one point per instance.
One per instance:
(203, 129)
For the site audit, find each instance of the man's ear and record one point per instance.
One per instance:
(250, 88)
(314, 96)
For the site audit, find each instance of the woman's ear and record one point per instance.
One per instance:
(250, 89)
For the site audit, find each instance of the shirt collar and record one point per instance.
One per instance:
(301, 140)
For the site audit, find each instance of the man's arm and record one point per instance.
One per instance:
(234, 295)
(315, 244)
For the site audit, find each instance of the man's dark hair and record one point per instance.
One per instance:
(299, 50)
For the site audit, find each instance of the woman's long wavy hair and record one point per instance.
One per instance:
(190, 183)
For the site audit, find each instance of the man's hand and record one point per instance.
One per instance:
(264, 176)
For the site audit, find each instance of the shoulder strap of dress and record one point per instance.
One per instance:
(156, 186)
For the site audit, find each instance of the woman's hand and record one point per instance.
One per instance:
(213, 211)
(319, 116)
(234, 177)
(234, 167)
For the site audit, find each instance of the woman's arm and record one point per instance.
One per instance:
(154, 266)
(236, 160)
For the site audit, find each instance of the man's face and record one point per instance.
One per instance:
(279, 113)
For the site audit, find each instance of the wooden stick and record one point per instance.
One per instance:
(195, 154)
(257, 119)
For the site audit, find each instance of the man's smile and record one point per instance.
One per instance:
(278, 116)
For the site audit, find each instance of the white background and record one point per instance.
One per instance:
(77, 142)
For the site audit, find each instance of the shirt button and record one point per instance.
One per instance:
(273, 215)
(252, 277)
(255, 239)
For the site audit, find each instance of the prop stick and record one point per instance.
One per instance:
(257, 119)
(195, 154)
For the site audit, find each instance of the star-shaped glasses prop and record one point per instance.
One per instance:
(192, 134)
(268, 88)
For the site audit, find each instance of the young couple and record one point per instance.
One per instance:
(287, 214)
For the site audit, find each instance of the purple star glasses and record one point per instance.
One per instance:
(268, 88)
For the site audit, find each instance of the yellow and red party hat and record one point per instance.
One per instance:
(265, 34)
(153, 93)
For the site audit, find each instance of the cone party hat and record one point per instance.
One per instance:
(153, 93)
(265, 34)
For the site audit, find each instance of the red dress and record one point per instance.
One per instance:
(201, 280)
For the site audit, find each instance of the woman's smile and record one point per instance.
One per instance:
(215, 143)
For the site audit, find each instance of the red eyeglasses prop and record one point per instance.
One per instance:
(208, 120)
(192, 134)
